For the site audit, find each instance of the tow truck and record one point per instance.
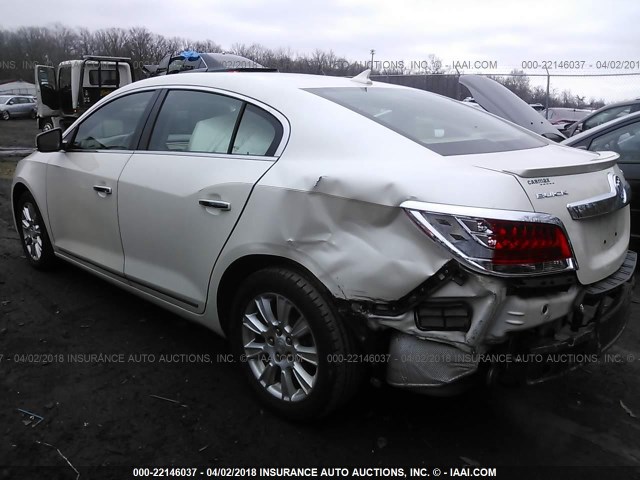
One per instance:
(66, 92)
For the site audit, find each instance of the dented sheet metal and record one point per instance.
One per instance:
(359, 250)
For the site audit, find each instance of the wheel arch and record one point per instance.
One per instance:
(18, 189)
(244, 266)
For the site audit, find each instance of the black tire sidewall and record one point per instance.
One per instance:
(274, 281)
(6, 115)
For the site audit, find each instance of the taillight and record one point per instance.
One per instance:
(499, 241)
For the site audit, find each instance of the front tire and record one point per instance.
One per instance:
(46, 126)
(292, 345)
(33, 233)
(6, 115)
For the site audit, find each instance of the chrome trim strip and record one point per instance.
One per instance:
(618, 197)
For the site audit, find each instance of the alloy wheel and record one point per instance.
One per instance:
(279, 347)
(31, 231)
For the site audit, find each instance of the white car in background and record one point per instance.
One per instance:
(333, 228)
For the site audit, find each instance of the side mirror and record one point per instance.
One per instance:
(49, 141)
(579, 127)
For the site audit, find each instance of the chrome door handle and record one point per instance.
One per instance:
(219, 204)
(102, 189)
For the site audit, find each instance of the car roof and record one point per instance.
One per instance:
(614, 105)
(272, 88)
(605, 126)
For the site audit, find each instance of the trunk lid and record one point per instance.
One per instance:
(584, 181)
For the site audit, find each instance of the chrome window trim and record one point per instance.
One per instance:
(260, 158)
(618, 197)
(415, 208)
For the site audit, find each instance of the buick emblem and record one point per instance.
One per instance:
(620, 190)
(551, 194)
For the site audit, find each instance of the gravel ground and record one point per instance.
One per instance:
(98, 413)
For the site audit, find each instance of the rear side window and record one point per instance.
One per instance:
(259, 133)
(113, 127)
(438, 123)
(606, 116)
(192, 121)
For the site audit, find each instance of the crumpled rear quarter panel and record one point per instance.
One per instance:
(359, 250)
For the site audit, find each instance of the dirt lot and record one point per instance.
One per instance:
(18, 133)
(98, 413)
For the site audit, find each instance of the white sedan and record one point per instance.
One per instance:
(334, 228)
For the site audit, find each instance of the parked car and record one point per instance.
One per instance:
(14, 106)
(391, 232)
(603, 115)
(623, 137)
(191, 61)
(564, 118)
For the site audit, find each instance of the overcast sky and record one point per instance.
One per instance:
(507, 32)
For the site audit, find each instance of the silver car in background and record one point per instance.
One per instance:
(14, 106)
(335, 228)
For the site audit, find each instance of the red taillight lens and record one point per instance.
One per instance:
(527, 243)
(502, 246)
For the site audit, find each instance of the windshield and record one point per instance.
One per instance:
(443, 125)
(4, 99)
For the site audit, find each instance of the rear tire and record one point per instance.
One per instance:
(33, 233)
(292, 345)
(47, 126)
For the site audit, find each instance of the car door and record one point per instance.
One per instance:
(625, 140)
(47, 91)
(82, 188)
(180, 199)
(25, 106)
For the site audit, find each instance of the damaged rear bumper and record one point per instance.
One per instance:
(515, 335)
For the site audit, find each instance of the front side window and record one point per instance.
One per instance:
(113, 127)
(624, 140)
(440, 124)
(192, 121)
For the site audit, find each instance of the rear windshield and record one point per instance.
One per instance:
(443, 125)
(103, 77)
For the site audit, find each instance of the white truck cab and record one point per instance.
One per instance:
(67, 91)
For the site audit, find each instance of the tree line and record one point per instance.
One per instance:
(22, 48)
